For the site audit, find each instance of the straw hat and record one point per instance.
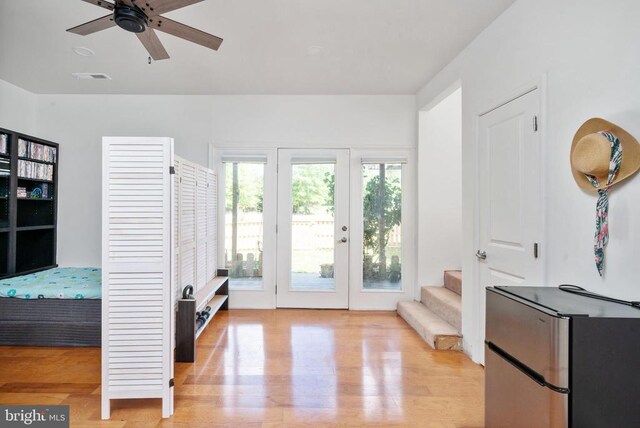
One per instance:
(591, 153)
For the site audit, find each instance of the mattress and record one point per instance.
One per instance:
(58, 283)
(50, 322)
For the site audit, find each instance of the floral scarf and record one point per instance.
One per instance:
(601, 237)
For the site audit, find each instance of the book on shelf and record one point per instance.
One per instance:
(23, 148)
(3, 143)
(5, 167)
(35, 170)
(35, 151)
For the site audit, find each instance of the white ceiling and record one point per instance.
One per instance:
(368, 46)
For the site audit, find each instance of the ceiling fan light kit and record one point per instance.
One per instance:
(142, 17)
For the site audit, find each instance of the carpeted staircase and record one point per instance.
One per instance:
(437, 317)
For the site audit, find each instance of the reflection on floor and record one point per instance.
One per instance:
(270, 369)
(311, 282)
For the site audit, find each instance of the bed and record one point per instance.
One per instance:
(56, 307)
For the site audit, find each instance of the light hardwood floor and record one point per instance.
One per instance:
(271, 369)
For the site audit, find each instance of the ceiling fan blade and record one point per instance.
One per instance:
(185, 32)
(102, 3)
(157, 7)
(153, 45)
(93, 26)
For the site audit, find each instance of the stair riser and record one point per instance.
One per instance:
(449, 312)
(453, 281)
(436, 341)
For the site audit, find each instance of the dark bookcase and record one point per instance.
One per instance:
(28, 203)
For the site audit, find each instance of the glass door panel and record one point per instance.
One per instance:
(312, 226)
(244, 224)
(382, 223)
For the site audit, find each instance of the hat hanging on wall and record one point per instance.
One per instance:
(602, 154)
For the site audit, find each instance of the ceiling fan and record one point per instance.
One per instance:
(143, 17)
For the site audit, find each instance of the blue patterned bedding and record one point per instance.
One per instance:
(58, 283)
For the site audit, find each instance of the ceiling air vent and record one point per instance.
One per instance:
(91, 76)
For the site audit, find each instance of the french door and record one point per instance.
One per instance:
(313, 235)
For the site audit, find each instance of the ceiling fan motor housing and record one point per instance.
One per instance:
(130, 18)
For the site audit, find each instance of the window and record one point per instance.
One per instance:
(382, 218)
(244, 224)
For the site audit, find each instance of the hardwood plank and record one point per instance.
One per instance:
(38, 387)
(17, 398)
(273, 368)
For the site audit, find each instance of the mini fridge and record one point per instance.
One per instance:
(556, 359)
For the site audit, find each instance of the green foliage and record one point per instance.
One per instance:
(330, 181)
(308, 187)
(378, 205)
(250, 187)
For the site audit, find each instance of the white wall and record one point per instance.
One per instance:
(342, 121)
(17, 109)
(440, 189)
(78, 123)
(588, 51)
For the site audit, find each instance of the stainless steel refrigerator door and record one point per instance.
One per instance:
(537, 338)
(513, 399)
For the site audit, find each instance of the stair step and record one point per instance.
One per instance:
(453, 281)
(439, 334)
(444, 303)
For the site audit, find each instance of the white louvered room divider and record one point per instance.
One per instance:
(187, 228)
(137, 354)
(212, 227)
(197, 227)
(201, 228)
(159, 234)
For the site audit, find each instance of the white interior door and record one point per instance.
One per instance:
(510, 214)
(313, 229)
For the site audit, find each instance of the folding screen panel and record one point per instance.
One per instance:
(212, 232)
(188, 173)
(201, 227)
(137, 355)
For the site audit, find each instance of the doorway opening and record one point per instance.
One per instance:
(313, 229)
(440, 189)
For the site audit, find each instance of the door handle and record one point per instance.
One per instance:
(342, 241)
(481, 255)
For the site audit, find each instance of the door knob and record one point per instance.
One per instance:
(343, 240)
(481, 255)
(344, 228)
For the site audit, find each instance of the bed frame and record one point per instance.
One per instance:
(50, 322)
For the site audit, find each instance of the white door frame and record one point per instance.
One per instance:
(359, 298)
(472, 322)
(266, 297)
(287, 297)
